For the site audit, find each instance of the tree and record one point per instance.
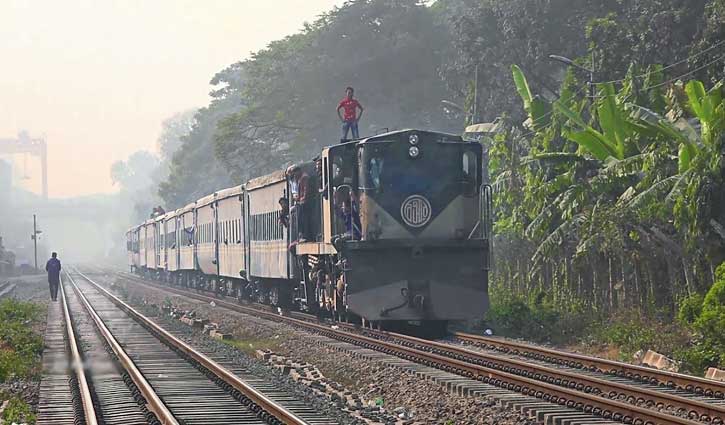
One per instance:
(173, 130)
(391, 51)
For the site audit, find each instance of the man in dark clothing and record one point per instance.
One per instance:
(53, 269)
(284, 212)
(304, 194)
(350, 215)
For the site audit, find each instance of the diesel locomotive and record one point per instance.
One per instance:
(392, 229)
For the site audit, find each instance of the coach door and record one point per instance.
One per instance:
(339, 181)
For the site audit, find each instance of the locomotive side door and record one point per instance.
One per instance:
(338, 175)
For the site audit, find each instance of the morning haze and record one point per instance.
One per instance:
(99, 77)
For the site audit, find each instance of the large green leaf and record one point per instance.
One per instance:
(536, 108)
(685, 156)
(522, 86)
(696, 95)
(590, 139)
(612, 120)
(708, 107)
(656, 125)
(591, 143)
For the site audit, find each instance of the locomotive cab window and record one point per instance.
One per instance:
(373, 165)
(469, 166)
(470, 173)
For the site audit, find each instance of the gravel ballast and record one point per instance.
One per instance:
(386, 394)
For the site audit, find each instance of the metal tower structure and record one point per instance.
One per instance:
(36, 147)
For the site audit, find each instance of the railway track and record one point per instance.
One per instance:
(125, 369)
(692, 384)
(554, 377)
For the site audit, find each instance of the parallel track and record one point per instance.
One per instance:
(175, 383)
(609, 399)
(694, 384)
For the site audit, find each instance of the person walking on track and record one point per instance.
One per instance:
(349, 117)
(53, 269)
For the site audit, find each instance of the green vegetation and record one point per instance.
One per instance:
(249, 345)
(20, 346)
(705, 318)
(18, 411)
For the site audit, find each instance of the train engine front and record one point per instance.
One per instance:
(408, 216)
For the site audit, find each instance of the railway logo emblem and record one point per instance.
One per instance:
(415, 211)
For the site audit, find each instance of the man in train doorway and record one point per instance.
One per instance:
(349, 117)
(53, 269)
(302, 202)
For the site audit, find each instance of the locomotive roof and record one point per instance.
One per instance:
(229, 192)
(451, 137)
(263, 181)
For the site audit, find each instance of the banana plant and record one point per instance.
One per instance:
(537, 109)
(706, 106)
(616, 131)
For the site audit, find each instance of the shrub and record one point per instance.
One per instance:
(705, 316)
(690, 309)
(536, 320)
(629, 334)
(18, 411)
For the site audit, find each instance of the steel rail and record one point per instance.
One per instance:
(155, 404)
(612, 389)
(89, 411)
(261, 400)
(551, 392)
(694, 384)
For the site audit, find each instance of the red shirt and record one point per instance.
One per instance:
(350, 109)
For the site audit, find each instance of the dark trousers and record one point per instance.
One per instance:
(53, 282)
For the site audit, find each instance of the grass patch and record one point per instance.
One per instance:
(18, 411)
(249, 345)
(20, 346)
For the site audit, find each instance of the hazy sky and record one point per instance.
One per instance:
(97, 77)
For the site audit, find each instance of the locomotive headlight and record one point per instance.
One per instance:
(413, 139)
(414, 151)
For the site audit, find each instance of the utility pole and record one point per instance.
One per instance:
(475, 97)
(34, 237)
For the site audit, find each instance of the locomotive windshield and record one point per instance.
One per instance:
(391, 167)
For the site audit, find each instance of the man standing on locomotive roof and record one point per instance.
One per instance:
(349, 118)
(53, 269)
